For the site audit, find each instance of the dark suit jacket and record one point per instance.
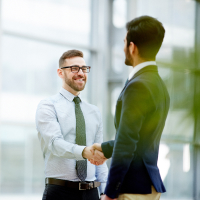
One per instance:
(140, 116)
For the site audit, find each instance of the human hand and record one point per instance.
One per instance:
(98, 158)
(102, 196)
(94, 156)
(105, 197)
(87, 153)
(96, 146)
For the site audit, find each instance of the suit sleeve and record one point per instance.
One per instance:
(107, 148)
(134, 105)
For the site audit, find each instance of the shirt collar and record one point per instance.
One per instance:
(139, 67)
(68, 95)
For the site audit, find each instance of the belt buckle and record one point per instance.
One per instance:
(80, 186)
(91, 185)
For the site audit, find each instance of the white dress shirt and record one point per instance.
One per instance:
(139, 67)
(56, 126)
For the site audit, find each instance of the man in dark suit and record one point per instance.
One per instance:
(141, 111)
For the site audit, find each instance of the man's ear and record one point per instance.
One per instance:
(60, 73)
(131, 47)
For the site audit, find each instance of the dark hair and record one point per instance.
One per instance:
(69, 54)
(147, 34)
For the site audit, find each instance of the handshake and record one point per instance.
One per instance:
(94, 154)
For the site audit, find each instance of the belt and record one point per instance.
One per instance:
(71, 184)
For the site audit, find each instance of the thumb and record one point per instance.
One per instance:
(97, 146)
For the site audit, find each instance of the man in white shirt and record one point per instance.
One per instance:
(67, 127)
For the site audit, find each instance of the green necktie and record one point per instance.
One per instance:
(81, 165)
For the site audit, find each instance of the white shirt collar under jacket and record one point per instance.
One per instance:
(139, 67)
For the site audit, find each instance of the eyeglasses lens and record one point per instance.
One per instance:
(75, 69)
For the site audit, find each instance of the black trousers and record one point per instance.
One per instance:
(57, 192)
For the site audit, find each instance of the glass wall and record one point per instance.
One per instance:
(49, 19)
(34, 36)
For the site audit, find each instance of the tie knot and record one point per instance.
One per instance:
(76, 100)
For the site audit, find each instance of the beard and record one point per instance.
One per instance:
(76, 87)
(128, 59)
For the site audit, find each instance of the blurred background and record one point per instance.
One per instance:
(33, 36)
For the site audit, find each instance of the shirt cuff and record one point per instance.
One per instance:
(78, 152)
(102, 188)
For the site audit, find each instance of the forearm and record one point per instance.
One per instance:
(51, 136)
(62, 148)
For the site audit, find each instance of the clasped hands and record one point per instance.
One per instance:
(94, 154)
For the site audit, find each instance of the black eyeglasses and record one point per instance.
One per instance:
(76, 68)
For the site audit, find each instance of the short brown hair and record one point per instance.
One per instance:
(69, 54)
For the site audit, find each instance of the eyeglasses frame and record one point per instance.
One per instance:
(88, 67)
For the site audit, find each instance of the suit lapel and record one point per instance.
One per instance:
(153, 68)
(150, 68)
